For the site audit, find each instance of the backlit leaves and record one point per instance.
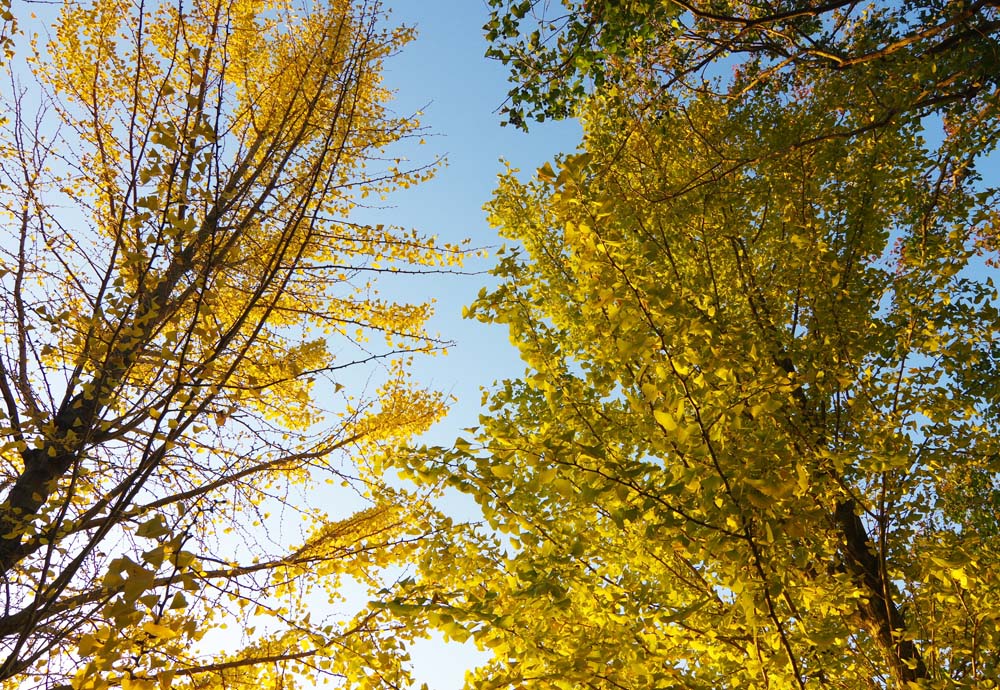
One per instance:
(744, 450)
(184, 296)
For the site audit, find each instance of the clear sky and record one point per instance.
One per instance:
(443, 72)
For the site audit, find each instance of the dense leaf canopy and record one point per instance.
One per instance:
(756, 441)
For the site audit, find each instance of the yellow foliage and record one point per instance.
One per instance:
(186, 295)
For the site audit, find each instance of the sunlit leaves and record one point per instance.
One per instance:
(184, 296)
(746, 436)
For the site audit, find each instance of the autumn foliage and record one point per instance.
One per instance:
(756, 442)
(182, 294)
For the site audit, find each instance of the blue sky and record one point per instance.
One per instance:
(443, 73)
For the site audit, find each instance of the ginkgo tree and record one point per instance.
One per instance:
(182, 294)
(756, 442)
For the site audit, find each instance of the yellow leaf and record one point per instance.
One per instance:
(665, 419)
(158, 630)
(502, 471)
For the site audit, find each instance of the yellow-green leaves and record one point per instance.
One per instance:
(748, 423)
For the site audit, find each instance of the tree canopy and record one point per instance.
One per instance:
(756, 441)
(755, 444)
(914, 56)
(182, 292)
